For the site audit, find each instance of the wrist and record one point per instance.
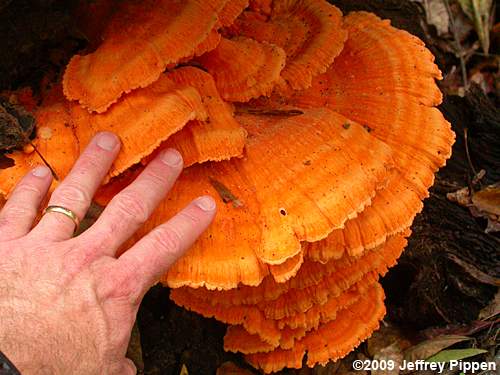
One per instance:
(31, 350)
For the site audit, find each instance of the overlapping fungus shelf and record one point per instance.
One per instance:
(317, 133)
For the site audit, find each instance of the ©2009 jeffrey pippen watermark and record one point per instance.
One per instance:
(421, 365)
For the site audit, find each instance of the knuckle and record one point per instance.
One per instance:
(190, 217)
(131, 207)
(5, 222)
(90, 163)
(167, 240)
(27, 189)
(72, 195)
(19, 211)
(155, 178)
(122, 284)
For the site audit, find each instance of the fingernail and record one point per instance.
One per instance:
(107, 141)
(206, 203)
(171, 157)
(41, 171)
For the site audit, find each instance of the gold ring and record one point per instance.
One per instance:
(64, 211)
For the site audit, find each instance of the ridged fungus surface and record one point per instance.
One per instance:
(317, 134)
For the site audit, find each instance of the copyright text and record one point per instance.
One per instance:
(421, 365)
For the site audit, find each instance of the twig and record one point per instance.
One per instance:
(467, 153)
(54, 174)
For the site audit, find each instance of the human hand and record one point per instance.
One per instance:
(68, 304)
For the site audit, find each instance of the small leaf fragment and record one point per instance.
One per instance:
(184, 370)
(455, 354)
(428, 348)
(225, 193)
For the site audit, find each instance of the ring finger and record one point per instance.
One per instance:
(76, 191)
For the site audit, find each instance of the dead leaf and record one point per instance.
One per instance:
(430, 347)
(16, 126)
(480, 12)
(484, 203)
(456, 354)
(386, 336)
(473, 271)
(468, 329)
(488, 199)
(493, 309)
(225, 194)
(393, 353)
(436, 15)
(184, 370)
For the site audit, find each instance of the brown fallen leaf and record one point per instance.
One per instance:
(225, 194)
(473, 271)
(386, 336)
(484, 203)
(488, 199)
(468, 329)
(430, 347)
(393, 353)
(436, 15)
(493, 309)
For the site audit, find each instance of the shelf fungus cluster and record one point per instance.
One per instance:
(317, 133)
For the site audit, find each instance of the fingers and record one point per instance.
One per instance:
(152, 256)
(76, 191)
(20, 210)
(129, 209)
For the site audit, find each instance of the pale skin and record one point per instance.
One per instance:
(68, 304)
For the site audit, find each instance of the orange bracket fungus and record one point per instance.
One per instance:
(309, 31)
(317, 133)
(244, 68)
(141, 40)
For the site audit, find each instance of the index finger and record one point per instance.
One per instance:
(154, 254)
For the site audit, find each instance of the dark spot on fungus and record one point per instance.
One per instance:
(346, 126)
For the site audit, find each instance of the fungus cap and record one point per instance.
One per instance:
(395, 103)
(156, 112)
(303, 308)
(124, 62)
(272, 214)
(330, 341)
(309, 31)
(244, 68)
